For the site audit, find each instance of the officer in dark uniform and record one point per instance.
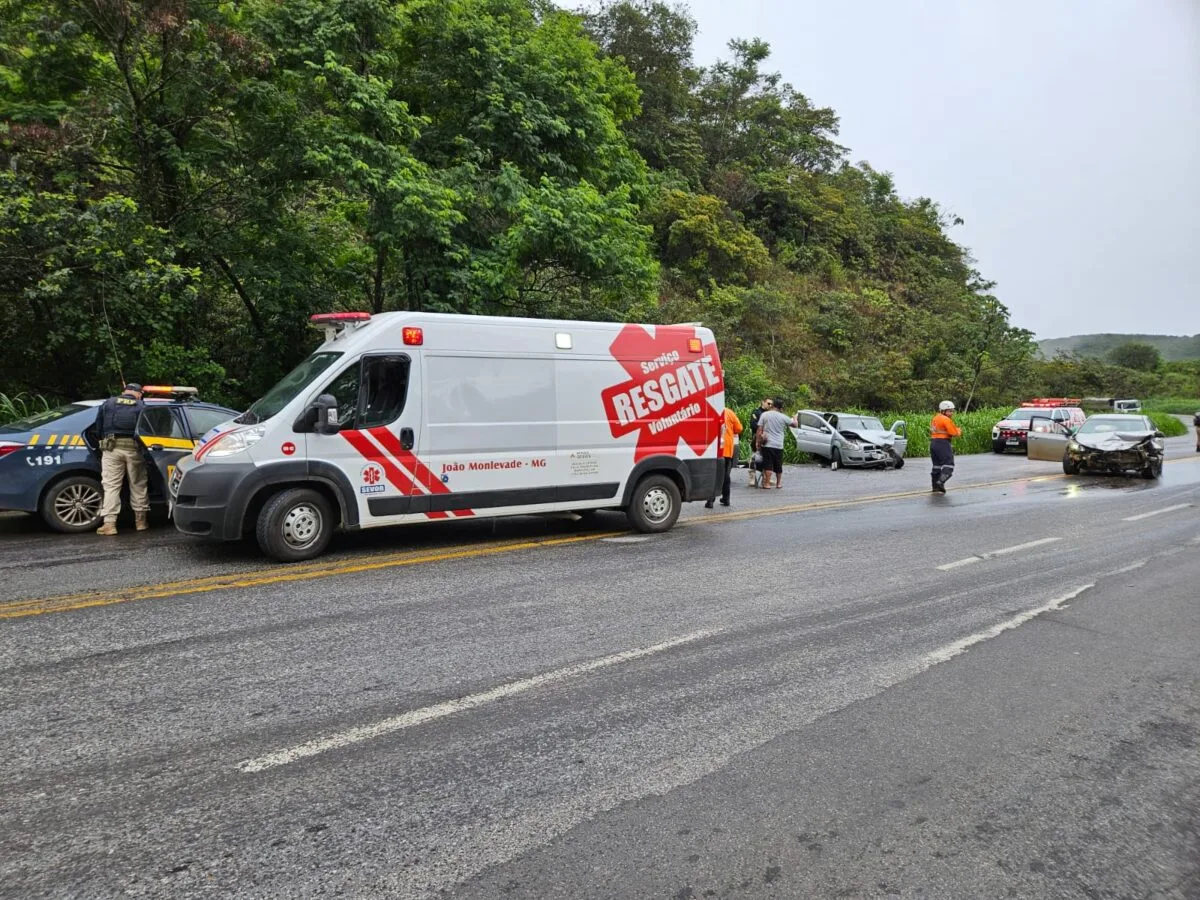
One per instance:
(116, 429)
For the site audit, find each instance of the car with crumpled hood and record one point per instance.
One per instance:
(1103, 445)
(850, 439)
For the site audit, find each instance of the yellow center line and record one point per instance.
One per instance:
(371, 563)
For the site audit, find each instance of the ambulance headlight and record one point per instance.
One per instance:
(231, 442)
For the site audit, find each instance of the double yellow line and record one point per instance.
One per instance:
(375, 562)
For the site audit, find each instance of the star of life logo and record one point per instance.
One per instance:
(372, 479)
(666, 398)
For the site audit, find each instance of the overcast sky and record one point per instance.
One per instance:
(1066, 133)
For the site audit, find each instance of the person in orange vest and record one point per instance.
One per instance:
(727, 448)
(942, 431)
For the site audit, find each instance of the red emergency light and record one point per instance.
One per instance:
(1051, 402)
(339, 318)
(413, 337)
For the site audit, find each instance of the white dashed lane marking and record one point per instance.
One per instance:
(1156, 512)
(992, 554)
(462, 704)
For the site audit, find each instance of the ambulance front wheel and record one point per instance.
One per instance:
(294, 525)
(655, 504)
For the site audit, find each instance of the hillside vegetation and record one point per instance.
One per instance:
(182, 184)
(1171, 348)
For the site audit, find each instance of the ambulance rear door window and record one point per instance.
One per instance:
(502, 404)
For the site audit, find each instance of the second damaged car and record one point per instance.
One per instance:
(850, 439)
(1104, 445)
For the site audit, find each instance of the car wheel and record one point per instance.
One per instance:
(898, 461)
(998, 446)
(655, 504)
(835, 459)
(1152, 471)
(1069, 468)
(294, 525)
(72, 505)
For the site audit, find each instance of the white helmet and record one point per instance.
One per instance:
(945, 405)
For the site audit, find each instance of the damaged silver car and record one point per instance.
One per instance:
(1103, 445)
(850, 439)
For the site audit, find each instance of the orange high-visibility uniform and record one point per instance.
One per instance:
(733, 426)
(943, 428)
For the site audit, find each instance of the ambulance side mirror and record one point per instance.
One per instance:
(327, 415)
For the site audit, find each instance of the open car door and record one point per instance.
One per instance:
(1047, 439)
(165, 440)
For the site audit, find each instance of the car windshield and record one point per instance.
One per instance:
(859, 423)
(1110, 424)
(1027, 414)
(286, 390)
(42, 419)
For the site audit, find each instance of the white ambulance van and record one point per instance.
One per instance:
(417, 417)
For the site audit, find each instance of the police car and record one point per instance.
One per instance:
(50, 462)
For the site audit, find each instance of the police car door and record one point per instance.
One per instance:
(165, 440)
(378, 412)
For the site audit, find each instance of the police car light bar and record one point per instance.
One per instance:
(169, 390)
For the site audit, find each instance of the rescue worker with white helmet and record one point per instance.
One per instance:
(942, 431)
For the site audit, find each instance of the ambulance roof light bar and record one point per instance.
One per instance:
(1051, 402)
(334, 323)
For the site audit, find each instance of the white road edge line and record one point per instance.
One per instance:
(1157, 512)
(952, 650)
(994, 553)
(462, 704)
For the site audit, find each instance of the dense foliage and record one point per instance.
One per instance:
(182, 182)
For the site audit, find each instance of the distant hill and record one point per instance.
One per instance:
(1172, 347)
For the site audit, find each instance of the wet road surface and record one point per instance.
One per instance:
(847, 687)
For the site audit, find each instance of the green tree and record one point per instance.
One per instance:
(1135, 355)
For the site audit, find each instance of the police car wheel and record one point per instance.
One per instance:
(72, 505)
(294, 525)
(655, 504)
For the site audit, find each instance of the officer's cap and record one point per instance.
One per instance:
(133, 386)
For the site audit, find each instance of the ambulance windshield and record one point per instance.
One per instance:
(286, 390)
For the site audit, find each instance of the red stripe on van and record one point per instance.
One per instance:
(399, 480)
(420, 471)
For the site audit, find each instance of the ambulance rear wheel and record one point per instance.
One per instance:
(655, 504)
(294, 525)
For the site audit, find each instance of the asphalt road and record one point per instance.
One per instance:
(844, 688)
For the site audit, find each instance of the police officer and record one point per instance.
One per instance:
(942, 431)
(116, 429)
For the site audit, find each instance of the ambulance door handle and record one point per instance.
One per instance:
(406, 438)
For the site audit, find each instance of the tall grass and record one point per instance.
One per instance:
(976, 427)
(20, 406)
(1168, 424)
(1179, 406)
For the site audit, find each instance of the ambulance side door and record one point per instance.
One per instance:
(378, 412)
